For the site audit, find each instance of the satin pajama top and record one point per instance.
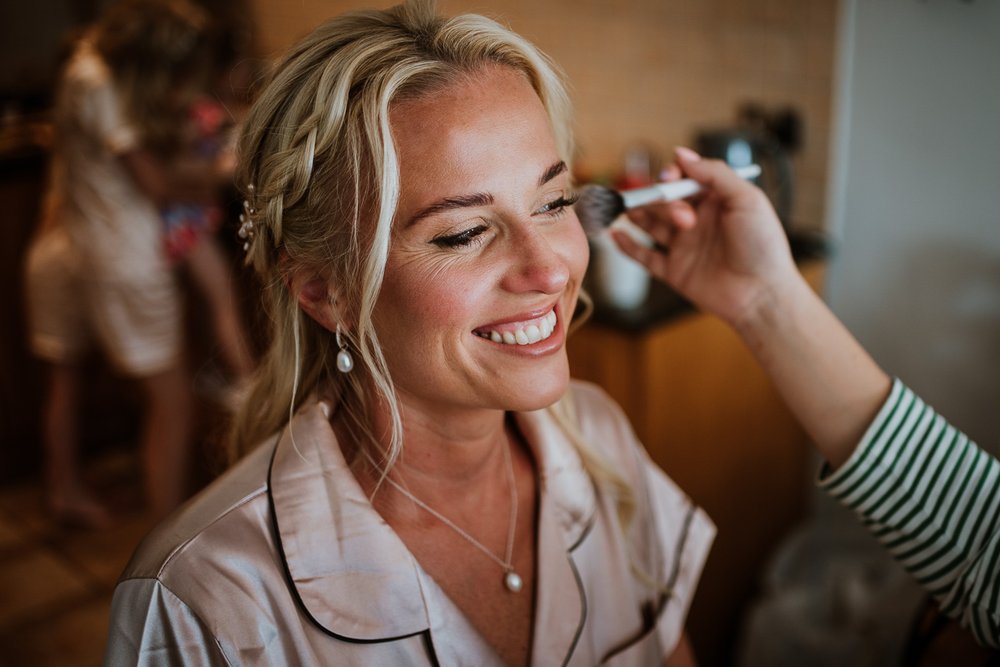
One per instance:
(284, 561)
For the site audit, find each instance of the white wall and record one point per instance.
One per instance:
(915, 199)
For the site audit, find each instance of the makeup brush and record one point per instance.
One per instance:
(598, 206)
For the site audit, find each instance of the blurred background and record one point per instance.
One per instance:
(876, 123)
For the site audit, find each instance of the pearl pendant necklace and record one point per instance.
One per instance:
(511, 580)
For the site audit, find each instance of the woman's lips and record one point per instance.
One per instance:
(524, 332)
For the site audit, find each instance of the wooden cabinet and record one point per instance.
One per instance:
(709, 417)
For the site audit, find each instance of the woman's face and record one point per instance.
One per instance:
(487, 254)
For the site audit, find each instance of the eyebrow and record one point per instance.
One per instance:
(550, 173)
(477, 199)
(451, 203)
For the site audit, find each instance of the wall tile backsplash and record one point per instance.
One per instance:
(657, 71)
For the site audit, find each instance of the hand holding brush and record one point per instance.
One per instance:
(598, 206)
(727, 247)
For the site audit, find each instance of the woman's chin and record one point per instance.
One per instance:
(539, 395)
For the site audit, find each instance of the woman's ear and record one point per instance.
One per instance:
(315, 296)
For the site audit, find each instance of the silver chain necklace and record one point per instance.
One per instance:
(511, 579)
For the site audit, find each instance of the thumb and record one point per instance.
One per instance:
(715, 175)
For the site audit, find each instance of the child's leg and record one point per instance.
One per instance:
(166, 438)
(59, 334)
(138, 321)
(213, 276)
(66, 494)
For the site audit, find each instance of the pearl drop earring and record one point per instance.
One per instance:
(345, 362)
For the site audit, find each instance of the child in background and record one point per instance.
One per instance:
(189, 230)
(96, 272)
(184, 224)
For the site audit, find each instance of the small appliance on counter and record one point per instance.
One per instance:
(760, 137)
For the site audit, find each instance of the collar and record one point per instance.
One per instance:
(338, 551)
(566, 487)
(351, 572)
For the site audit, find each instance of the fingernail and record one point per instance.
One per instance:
(686, 154)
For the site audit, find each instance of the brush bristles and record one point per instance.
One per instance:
(598, 207)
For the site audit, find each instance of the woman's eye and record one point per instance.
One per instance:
(460, 240)
(556, 207)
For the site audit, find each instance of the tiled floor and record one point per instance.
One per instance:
(56, 581)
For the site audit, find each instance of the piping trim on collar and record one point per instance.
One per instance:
(336, 549)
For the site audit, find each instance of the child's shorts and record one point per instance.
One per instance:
(137, 322)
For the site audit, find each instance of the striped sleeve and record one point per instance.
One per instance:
(932, 498)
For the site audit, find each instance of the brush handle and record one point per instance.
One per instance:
(675, 190)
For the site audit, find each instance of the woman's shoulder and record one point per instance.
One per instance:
(230, 515)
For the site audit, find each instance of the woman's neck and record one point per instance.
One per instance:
(442, 452)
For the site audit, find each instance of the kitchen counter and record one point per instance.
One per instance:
(664, 304)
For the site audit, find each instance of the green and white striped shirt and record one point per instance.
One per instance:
(932, 498)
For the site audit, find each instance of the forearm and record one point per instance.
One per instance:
(932, 497)
(148, 174)
(831, 384)
(200, 179)
(190, 182)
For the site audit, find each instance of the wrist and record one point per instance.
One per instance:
(772, 307)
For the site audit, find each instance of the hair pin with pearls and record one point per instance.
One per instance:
(246, 231)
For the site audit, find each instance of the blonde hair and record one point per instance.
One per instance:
(318, 151)
(155, 49)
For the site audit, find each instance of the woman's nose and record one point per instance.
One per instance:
(536, 264)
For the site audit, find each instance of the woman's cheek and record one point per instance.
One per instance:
(578, 252)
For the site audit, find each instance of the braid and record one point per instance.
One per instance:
(318, 148)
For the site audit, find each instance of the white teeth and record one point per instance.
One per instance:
(533, 333)
(546, 328)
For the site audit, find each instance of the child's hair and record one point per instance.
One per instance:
(317, 150)
(157, 50)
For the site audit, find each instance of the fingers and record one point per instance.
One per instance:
(715, 175)
(654, 221)
(670, 173)
(662, 220)
(655, 260)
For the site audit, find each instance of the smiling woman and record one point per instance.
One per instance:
(453, 498)
(484, 199)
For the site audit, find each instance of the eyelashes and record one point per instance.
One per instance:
(557, 207)
(554, 209)
(461, 239)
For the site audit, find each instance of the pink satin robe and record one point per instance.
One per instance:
(284, 561)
